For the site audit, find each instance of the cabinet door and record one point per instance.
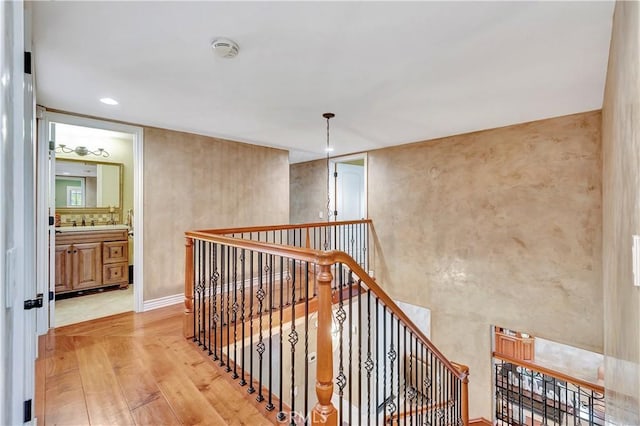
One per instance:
(506, 345)
(64, 259)
(87, 265)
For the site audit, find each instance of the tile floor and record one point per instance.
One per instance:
(92, 306)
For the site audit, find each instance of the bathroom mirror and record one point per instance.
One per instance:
(85, 184)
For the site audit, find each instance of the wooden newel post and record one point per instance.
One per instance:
(465, 398)
(187, 325)
(324, 413)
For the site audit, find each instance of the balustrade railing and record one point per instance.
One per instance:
(280, 313)
(529, 394)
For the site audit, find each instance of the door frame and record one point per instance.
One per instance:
(333, 188)
(138, 188)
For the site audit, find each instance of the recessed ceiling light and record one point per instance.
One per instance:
(329, 149)
(109, 101)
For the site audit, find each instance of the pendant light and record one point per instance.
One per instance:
(328, 116)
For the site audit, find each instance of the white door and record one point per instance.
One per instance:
(45, 231)
(17, 216)
(350, 192)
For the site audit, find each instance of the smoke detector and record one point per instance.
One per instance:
(225, 48)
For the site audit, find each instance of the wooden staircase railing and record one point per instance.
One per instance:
(253, 297)
(528, 393)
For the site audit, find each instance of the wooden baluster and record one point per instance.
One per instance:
(307, 244)
(187, 325)
(324, 413)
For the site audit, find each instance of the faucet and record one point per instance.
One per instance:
(74, 223)
(84, 222)
(93, 222)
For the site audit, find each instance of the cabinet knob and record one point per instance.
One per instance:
(75, 251)
(68, 251)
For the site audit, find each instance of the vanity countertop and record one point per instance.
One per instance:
(91, 228)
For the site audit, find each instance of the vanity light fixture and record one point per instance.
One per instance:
(109, 101)
(81, 150)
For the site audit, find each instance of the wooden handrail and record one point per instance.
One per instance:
(549, 372)
(239, 230)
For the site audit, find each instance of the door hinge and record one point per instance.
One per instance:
(27, 62)
(52, 220)
(33, 303)
(52, 146)
(27, 411)
(335, 213)
(52, 296)
(335, 174)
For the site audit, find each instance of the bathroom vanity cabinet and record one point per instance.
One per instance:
(91, 257)
(514, 344)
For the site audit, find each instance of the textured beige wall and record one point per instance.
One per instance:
(496, 227)
(196, 182)
(621, 216)
(308, 191)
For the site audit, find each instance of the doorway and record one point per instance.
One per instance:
(349, 190)
(91, 181)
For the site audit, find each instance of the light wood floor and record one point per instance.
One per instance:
(134, 369)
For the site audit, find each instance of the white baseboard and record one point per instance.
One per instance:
(161, 302)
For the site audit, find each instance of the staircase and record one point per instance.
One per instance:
(290, 312)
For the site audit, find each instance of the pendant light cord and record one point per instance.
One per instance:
(328, 176)
(327, 234)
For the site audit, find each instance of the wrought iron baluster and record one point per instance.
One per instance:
(270, 271)
(306, 337)
(368, 364)
(235, 313)
(216, 316)
(358, 336)
(194, 302)
(229, 307)
(281, 372)
(341, 315)
(260, 347)
(242, 313)
(377, 362)
(350, 370)
(203, 284)
(251, 389)
(404, 371)
(203, 300)
(293, 340)
(223, 250)
(398, 405)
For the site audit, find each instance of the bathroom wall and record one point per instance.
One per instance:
(495, 227)
(198, 182)
(621, 216)
(120, 150)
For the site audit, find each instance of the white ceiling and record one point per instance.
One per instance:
(393, 72)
